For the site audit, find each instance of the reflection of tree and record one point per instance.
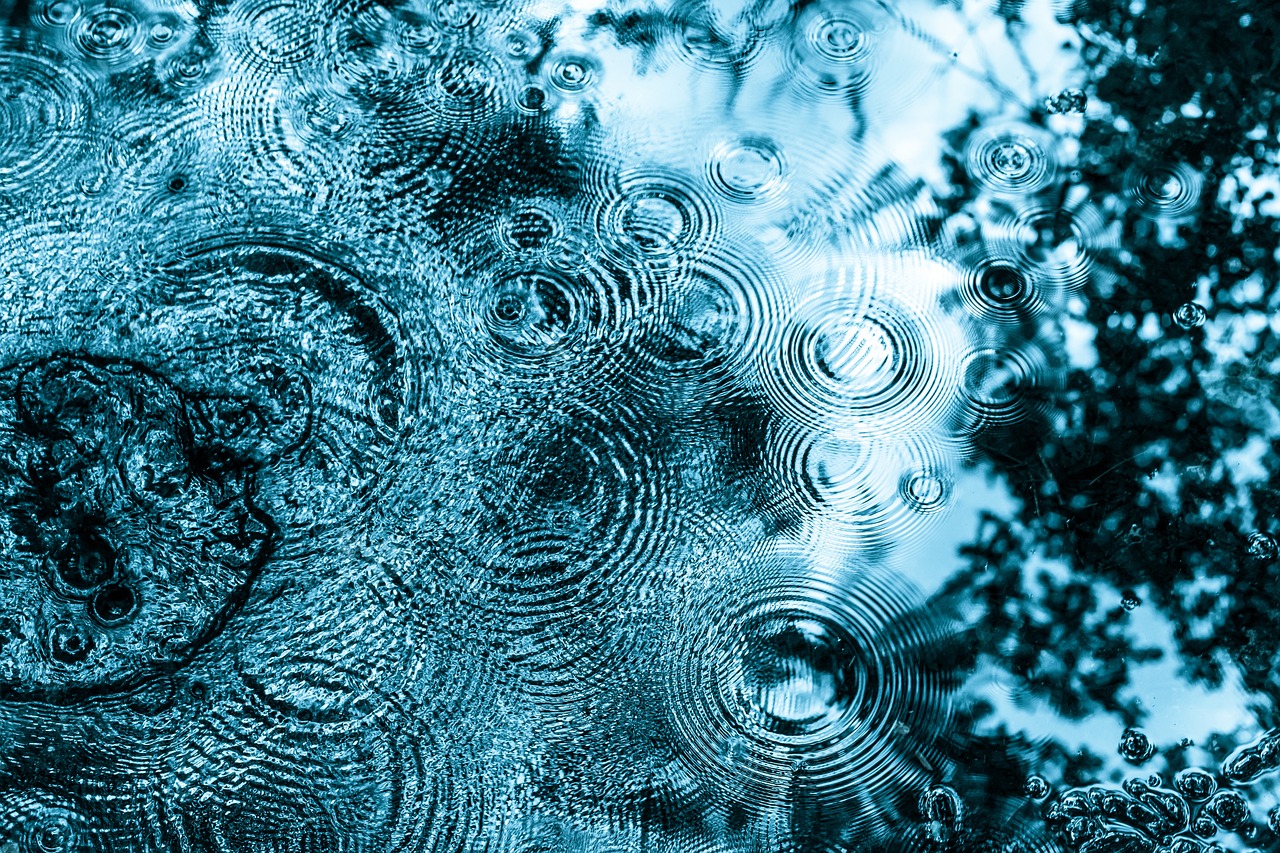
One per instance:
(1141, 479)
(1050, 634)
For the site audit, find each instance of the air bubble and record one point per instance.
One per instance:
(1229, 809)
(1037, 787)
(113, 605)
(941, 804)
(69, 644)
(1195, 784)
(1204, 826)
(1262, 546)
(1189, 315)
(1135, 747)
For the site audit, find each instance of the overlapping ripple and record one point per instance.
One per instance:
(698, 329)
(336, 410)
(874, 491)
(46, 106)
(409, 403)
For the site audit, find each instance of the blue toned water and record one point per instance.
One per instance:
(607, 427)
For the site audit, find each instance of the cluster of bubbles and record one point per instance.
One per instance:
(1190, 813)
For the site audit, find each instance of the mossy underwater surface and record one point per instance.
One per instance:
(464, 425)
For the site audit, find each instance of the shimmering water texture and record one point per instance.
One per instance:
(464, 425)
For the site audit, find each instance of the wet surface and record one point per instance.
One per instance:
(470, 426)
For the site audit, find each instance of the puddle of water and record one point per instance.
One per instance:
(839, 425)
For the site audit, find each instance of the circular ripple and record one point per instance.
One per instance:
(839, 48)
(581, 509)
(569, 526)
(251, 777)
(1061, 243)
(572, 73)
(1010, 159)
(108, 34)
(45, 108)
(531, 323)
(877, 491)
(387, 88)
(36, 821)
(1190, 315)
(1003, 385)
(747, 169)
(655, 214)
(1164, 192)
(472, 86)
(807, 674)
(848, 360)
(300, 138)
(277, 35)
(533, 227)
(1001, 290)
(53, 15)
